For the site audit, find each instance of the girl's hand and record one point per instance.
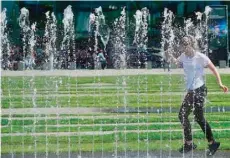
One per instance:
(225, 88)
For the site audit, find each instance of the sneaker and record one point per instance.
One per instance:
(187, 147)
(213, 148)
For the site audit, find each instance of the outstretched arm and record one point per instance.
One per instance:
(216, 73)
(171, 58)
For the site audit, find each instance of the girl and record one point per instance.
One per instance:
(193, 63)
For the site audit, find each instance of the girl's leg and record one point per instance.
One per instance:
(199, 113)
(199, 116)
(183, 117)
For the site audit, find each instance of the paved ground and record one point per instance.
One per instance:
(106, 72)
(128, 154)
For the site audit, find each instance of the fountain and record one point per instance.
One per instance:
(103, 29)
(141, 38)
(118, 40)
(30, 58)
(50, 36)
(5, 44)
(28, 39)
(68, 42)
(93, 28)
(24, 24)
(98, 27)
(167, 32)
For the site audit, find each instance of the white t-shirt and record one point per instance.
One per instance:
(194, 69)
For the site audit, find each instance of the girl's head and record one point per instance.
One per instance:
(188, 44)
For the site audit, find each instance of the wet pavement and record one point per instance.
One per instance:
(128, 154)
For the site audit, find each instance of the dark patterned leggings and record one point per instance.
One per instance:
(194, 101)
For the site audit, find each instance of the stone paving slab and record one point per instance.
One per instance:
(84, 110)
(106, 72)
(98, 133)
(103, 94)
